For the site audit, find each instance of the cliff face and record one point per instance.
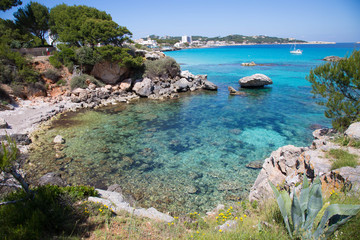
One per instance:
(285, 167)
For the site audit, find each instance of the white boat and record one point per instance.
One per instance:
(295, 51)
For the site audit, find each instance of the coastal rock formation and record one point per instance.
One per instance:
(332, 58)
(232, 91)
(143, 87)
(117, 203)
(109, 72)
(254, 81)
(250, 64)
(209, 85)
(285, 167)
(353, 131)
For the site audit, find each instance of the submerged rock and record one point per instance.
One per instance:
(255, 164)
(256, 80)
(52, 178)
(59, 139)
(232, 91)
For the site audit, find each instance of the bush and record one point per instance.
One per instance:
(52, 74)
(51, 211)
(162, 68)
(118, 54)
(81, 81)
(55, 62)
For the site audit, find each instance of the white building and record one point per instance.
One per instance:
(149, 42)
(186, 39)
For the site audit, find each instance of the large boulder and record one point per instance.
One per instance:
(143, 87)
(353, 131)
(209, 86)
(109, 72)
(256, 80)
(125, 85)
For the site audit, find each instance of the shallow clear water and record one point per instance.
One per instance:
(190, 154)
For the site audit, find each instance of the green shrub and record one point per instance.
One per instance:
(50, 212)
(162, 68)
(55, 62)
(80, 81)
(61, 82)
(118, 54)
(347, 142)
(342, 158)
(52, 74)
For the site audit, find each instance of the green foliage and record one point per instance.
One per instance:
(342, 158)
(52, 74)
(80, 25)
(349, 142)
(162, 68)
(14, 68)
(54, 61)
(33, 18)
(81, 81)
(7, 4)
(51, 211)
(338, 83)
(8, 153)
(120, 55)
(300, 214)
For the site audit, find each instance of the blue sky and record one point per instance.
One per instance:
(323, 20)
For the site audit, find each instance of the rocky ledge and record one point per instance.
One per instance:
(285, 167)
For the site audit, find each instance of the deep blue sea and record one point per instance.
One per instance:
(190, 154)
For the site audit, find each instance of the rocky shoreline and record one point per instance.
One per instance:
(286, 166)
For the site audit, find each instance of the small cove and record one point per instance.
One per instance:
(190, 154)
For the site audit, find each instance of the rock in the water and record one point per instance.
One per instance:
(234, 92)
(353, 131)
(115, 188)
(143, 87)
(209, 86)
(256, 80)
(248, 64)
(332, 58)
(3, 123)
(109, 72)
(52, 178)
(59, 139)
(255, 164)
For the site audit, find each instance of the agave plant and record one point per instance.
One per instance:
(299, 214)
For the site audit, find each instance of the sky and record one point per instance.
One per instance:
(310, 20)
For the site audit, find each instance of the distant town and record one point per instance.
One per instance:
(169, 43)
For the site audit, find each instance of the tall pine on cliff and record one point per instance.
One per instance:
(339, 85)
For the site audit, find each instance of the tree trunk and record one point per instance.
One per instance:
(20, 179)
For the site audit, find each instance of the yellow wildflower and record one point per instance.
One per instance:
(220, 230)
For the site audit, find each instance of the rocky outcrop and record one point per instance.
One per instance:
(285, 167)
(117, 203)
(209, 86)
(232, 91)
(143, 87)
(250, 64)
(109, 72)
(254, 81)
(332, 58)
(353, 131)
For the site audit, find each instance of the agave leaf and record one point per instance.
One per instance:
(281, 203)
(315, 204)
(335, 209)
(304, 195)
(296, 213)
(287, 201)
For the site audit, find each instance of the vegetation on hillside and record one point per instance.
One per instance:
(338, 85)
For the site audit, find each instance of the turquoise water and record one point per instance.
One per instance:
(190, 154)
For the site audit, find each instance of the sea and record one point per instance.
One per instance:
(191, 154)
